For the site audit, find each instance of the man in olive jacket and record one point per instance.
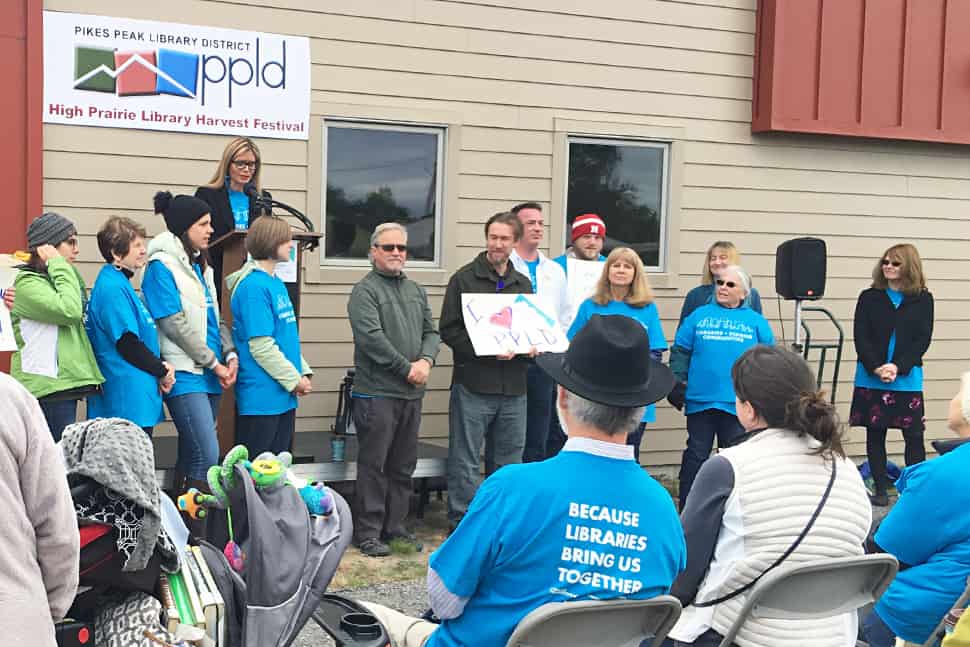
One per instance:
(488, 394)
(395, 345)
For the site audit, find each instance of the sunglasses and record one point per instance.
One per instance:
(391, 248)
(729, 284)
(244, 164)
(886, 262)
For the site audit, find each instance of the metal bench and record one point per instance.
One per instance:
(313, 461)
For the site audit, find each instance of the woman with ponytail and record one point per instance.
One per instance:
(786, 494)
(181, 296)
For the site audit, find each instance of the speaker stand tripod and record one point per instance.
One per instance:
(823, 347)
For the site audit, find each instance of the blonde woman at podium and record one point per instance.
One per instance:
(180, 293)
(272, 372)
(229, 205)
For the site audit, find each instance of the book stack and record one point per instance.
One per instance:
(190, 597)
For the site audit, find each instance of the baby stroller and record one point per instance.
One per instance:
(289, 558)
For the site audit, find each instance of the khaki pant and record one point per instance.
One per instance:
(404, 631)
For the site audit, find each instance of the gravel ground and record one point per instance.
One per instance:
(409, 597)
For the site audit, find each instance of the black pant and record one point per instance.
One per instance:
(266, 433)
(387, 452)
(914, 452)
(540, 403)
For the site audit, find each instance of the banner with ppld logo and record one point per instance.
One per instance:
(125, 73)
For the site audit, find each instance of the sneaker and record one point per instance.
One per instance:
(374, 547)
(881, 500)
(404, 542)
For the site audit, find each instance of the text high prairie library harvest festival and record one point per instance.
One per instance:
(156, 117)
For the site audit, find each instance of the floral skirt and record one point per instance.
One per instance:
(886, 409)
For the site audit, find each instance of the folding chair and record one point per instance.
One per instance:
(606, 623)
(817, 589)
(939, 631)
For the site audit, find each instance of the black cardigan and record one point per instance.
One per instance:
(875, 321)
(222, 223)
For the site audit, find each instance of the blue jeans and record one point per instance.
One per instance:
(194, 415)
(476, 419)
(59, 414)
(702, 428)
(539, 401)
(876, 632)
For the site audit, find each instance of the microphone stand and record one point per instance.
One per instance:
(265, 204)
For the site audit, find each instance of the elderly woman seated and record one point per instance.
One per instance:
(928, 531)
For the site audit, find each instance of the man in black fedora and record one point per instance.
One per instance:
(586, 524)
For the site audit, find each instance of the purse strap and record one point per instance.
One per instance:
(784, 556)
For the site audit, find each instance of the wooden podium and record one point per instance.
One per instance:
(233, 246)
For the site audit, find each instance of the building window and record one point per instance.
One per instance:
(625, 182)
(379, 173)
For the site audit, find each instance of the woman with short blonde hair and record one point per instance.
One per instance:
(623, 289)
(272, 371)
(892, 331)
(719, 256)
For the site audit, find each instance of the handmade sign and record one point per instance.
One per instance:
(511, 323)
(581, 278)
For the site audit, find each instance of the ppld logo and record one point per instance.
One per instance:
(174, 72)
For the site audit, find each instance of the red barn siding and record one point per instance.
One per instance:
(894, 69)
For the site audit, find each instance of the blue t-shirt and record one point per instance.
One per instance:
(535, 534)
(928, 529)
(563, 261)
(911, 382)
(716, 337)
(533, 270)
(261, 307)
(647, 316)
(163, 300)
(127, 392)
(239, 203)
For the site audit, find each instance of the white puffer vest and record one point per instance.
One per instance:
(778, 483)
(168, 249)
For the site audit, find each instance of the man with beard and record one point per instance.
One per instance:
(488, 394)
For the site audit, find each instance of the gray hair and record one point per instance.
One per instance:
(387, 226)
(607, 418)
(743, 276)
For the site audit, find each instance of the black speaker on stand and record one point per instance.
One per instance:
(800, 268)
(800, 265)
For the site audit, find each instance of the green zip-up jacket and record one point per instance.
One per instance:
(392, 326)
(53, 351)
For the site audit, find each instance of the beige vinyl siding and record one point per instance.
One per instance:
(500, 75)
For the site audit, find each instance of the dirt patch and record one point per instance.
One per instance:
(357, 570)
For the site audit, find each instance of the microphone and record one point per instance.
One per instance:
(250, 189)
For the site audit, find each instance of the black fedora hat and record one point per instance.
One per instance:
(609, 362)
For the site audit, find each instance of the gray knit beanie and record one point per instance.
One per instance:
(49, 229)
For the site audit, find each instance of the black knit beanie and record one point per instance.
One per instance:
(49, 229)
(180, 211)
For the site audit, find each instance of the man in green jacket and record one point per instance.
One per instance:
(395, 346)
(488, 394)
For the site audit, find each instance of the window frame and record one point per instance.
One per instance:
(441, 134)
(665, 147)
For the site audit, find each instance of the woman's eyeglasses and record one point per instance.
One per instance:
(728, 284)
(391, 248)
(73, 242)
(244, 164)
(886, 262)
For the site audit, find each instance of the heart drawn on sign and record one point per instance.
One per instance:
(502, 318)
